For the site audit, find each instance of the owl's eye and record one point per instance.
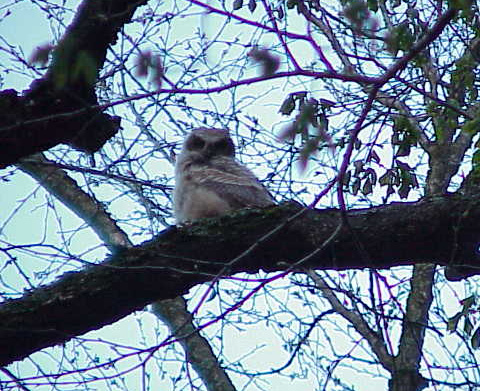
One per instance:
(222, 144)
(195, 143)
(224, 147)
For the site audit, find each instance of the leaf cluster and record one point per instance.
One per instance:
(469, 308)
(311, 115)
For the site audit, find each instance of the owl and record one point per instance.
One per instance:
(209, 181)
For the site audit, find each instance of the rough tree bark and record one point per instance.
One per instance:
(442, 229)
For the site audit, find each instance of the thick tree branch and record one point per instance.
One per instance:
(406, 374)
(59, 184)
(173, 312)
(67, 86)
(443, 230)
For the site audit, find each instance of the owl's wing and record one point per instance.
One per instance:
(233, 183)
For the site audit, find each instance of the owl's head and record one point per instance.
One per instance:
(204, 144)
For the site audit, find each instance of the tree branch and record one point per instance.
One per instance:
(59, 184)
(443, 230)
(407, 361)
(68, 86)
(375, 340)
(173, 312)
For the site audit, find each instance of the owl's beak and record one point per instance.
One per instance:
(208, 152)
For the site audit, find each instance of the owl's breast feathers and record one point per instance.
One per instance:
(219, 186)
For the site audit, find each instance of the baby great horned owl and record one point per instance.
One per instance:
(209, 181)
